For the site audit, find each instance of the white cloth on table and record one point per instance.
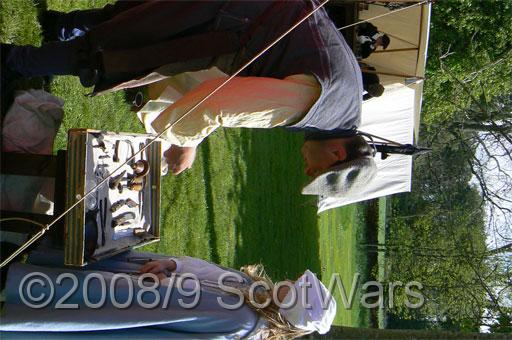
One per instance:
(30, 126)
(32, 122)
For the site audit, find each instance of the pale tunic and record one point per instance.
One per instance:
(250, 102)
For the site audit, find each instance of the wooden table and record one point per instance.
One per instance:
(73, 178)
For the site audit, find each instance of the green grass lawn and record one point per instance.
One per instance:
(241, 201)
(340, 231)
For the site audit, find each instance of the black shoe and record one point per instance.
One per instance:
(12, 81)
(50, 22)
(8, 75)
(9, 79)
(89, 77)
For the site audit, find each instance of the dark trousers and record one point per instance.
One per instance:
(65, 55)
(134, 31)
(67, 26)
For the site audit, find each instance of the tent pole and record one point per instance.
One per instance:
(402, 1)
(398, 38)
(364, 1)
(396, 50)
(366, 70)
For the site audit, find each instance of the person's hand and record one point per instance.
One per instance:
(180, 158)
(160, 268)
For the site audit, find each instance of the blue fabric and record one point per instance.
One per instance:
(207, 320)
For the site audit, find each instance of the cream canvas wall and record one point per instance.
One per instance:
(391, 117)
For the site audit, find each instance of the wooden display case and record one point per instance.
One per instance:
(94, 229)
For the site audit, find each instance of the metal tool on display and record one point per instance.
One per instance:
(141, 199)
(132, 149)
(100, 142)
(136, 181)
(123, 202)
(115, 157)
(141, 168)
(122, 219)
(141, 146)
(103, 220)
(140, 232)
(135, 186)
(116, 180)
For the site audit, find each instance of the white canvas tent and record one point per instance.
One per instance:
(396, 114)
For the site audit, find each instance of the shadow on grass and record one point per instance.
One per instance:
(210, 213)
(40, 5)
(276, 225)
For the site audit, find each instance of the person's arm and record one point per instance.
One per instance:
(184, 265)
(257, 102)
(254, 102)
(366, 50)
(160, 268)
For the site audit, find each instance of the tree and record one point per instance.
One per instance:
(468, 94)
(486, 126)
(442, 248)
(471, 38)
(438, 237)
(461, 191)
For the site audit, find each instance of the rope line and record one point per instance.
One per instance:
(44, 228)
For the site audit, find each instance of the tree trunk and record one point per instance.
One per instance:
(478, 126)
(504, 249)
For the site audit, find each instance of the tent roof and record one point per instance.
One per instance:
(408, 29)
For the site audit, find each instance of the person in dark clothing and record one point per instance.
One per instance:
(370, 39)
(129, 45)
(371, 82)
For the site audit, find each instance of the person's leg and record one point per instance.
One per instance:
(54, 58)
(49, 59)
(61, 26)
(154, 22)
(146, 24)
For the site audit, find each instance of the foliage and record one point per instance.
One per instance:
(438, 233)
(504, 323)
(469, 41)
(442, 246)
